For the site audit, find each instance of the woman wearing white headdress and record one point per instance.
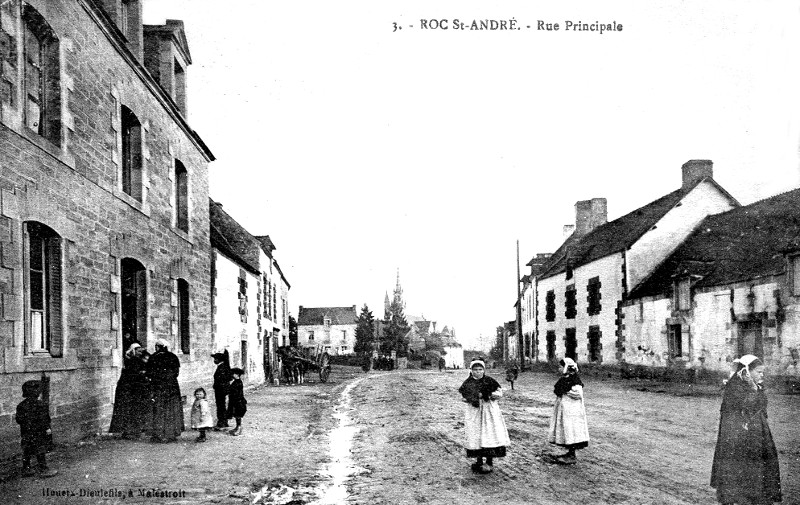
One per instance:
(131, 397)
(568, 426)
(162, 369)
(486, 433)
(745, 468)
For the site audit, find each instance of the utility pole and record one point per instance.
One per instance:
(520, 338)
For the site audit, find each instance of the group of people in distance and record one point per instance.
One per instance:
(745, 470)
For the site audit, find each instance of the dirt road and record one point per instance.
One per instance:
(396, 438)
(647, 447)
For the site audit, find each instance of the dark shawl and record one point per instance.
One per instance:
(745, 468)
(237, 405)
(565, 383)
(222, 376)
(474, 389)
(162, 369)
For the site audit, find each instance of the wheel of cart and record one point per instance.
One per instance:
(324, 365)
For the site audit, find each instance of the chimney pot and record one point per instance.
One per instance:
(695, 170)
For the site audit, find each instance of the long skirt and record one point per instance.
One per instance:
(745, 468)
(131, 409)
(568, 426)
(486, 431)
(167, 411)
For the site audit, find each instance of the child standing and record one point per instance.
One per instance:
(237, 405)
(485, 428)
(34, 425)
(201, 414)
(568, 427)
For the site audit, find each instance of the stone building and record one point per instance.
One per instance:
(104, 231)
(274, 319)
(732, 288)
(529, 310)
(580, 289)
(331, 329)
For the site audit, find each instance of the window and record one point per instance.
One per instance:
(570, 302)
(571, 344)
(594, 343)
(268, 297)
(42, 76)
(327, 322)
(274, 302)
(683, 294)
(310, 336)
(131, 154)
(593, 288)
(675, 344)
(795, 261)
(242, 296)
(180, 87)
(550, 306)
(124, 22)
(344, 335)
(343, 349)
(551, 346)
(183, 315)
(181, 197)
(8, 52)
(43, 289)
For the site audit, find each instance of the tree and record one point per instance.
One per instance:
(433, 342)
(395, 330)
(496, 352)
(292, 331)
(365, 331)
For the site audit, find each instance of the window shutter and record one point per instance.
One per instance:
(54, 294)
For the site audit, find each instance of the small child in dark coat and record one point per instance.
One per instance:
(237, 405)
(33, 418)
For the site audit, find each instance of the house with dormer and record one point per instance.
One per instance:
(581, 288)
(731, 288)
(329, 329)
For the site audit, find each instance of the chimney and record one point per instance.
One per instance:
(568, 229)
(538, 262)
(589, 214)
(695, 170)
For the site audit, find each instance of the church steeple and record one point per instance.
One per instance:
(386, 305)
(398, 291)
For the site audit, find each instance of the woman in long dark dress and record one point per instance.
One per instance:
(745, 469)
(162, 369)
(131, 399)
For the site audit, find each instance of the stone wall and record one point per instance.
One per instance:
(73, 187)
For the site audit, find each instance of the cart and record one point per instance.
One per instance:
(310, 359)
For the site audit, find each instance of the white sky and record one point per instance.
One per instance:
(359, 150)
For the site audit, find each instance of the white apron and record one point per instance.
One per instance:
(568, 425)
(485, 426)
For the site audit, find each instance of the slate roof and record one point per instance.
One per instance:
(232, 239)
(616, 235)
(422, 326)
(741, 244)
(311, 316)
(266, 244)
